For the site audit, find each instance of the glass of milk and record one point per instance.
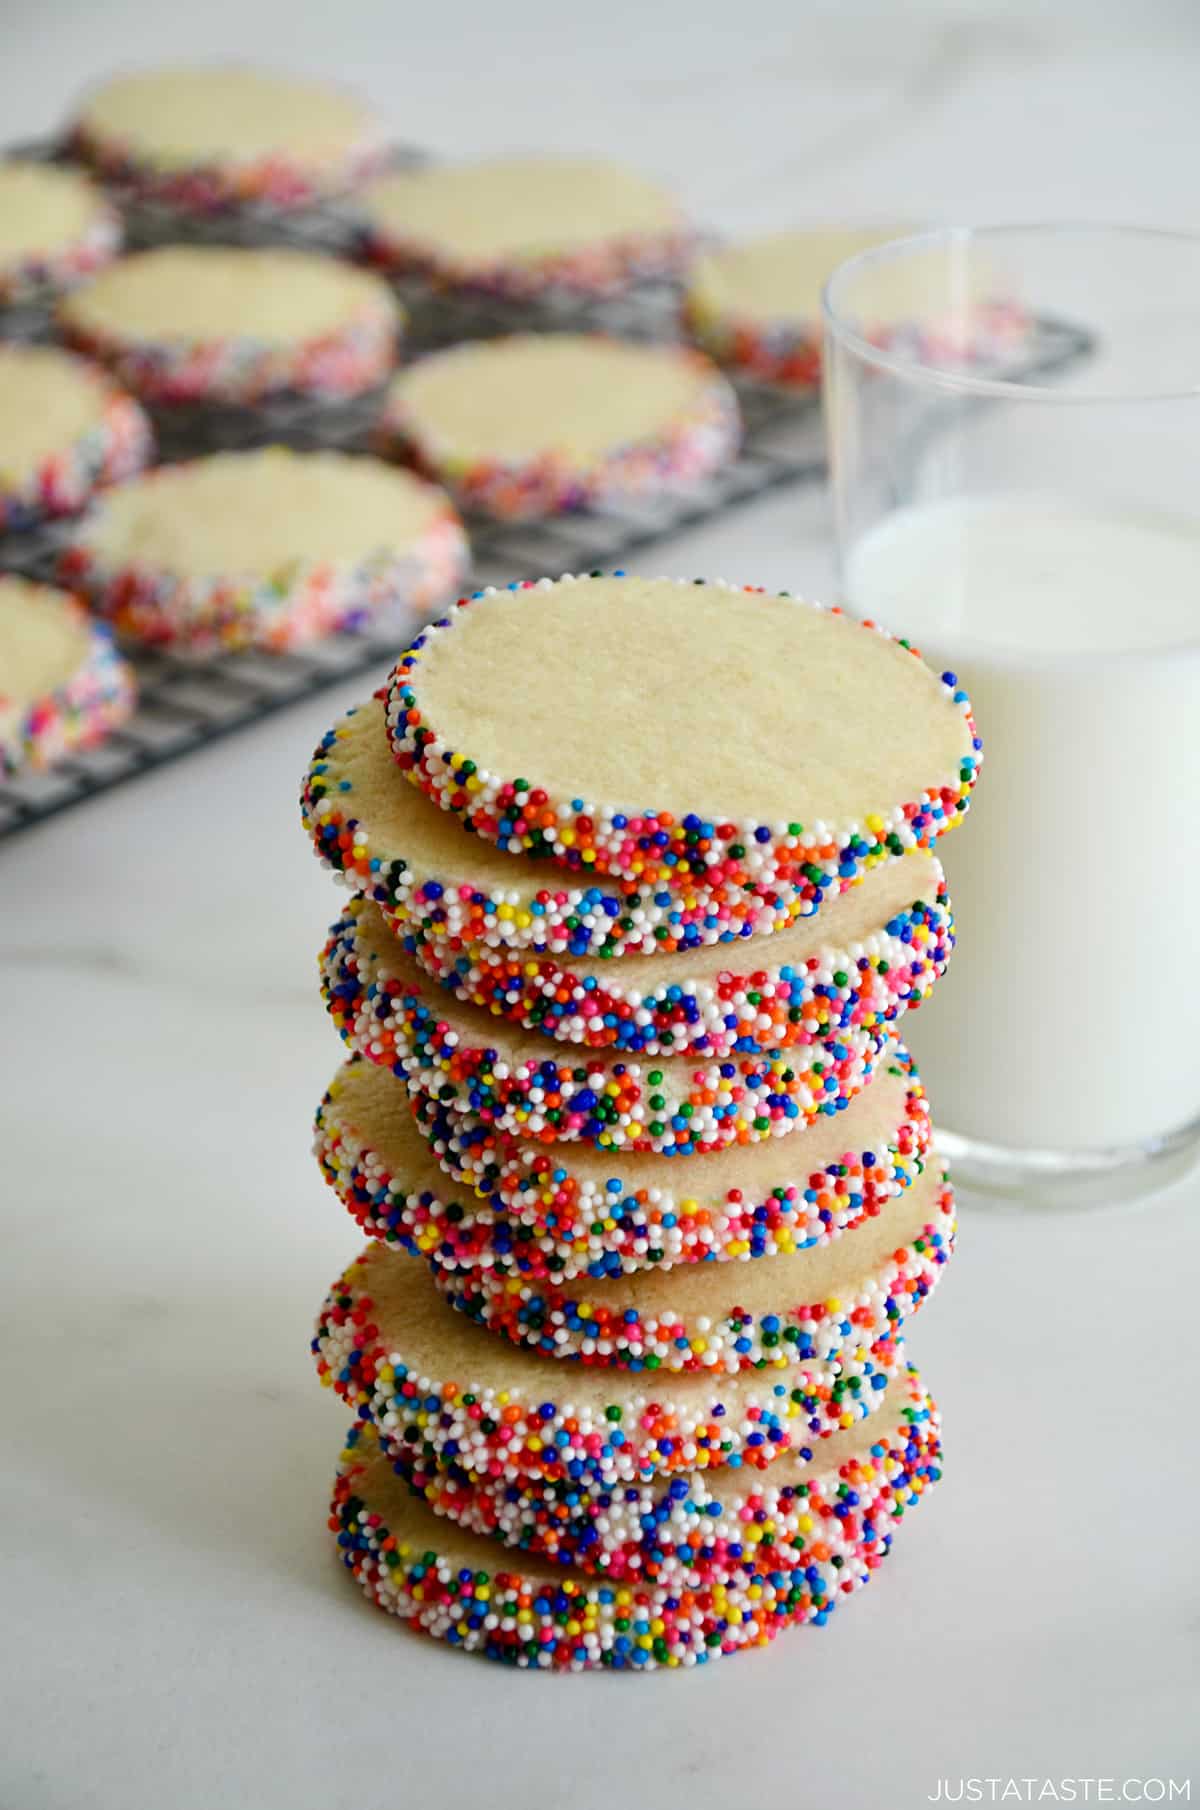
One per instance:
(1014, 428)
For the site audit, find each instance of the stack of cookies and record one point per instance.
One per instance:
(644, 885)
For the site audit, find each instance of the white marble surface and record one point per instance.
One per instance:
(175, 1631)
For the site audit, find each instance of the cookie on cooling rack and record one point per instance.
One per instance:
(55, 229)
(227, 324)
(534, 425)
(65, 429)
(268, 549)
(756, 307)
(205, 139)
(63, 686)
(523, 227)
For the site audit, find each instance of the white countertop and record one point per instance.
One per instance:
(176, 1632)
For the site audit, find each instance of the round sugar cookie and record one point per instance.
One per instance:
(65, 429)
(528, 1611)
(756, 307)
(269, 548)
(204, 139)
(456, 1192)
(520, 227)
(426, 1376)
(873, 953)
(63, 686)
(665, 731)
(814, 1506)
(773, 1314)
(429, 877)
(55, 229)
(518, 1081)
(222, 323)
(534, 425)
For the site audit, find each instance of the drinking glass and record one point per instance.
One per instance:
(1013, 417)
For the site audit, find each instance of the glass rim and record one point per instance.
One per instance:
(837, 324)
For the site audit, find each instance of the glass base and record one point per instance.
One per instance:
(1069, 1178)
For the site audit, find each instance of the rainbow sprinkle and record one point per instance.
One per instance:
(606, 1323)
(808, 1506)
(525, 1211)
(674, 1105)
(539, 1418)
(453, 1586)
(770, 1005)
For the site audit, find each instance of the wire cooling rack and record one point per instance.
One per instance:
(187, 703)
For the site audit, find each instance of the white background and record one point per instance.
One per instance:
(176, 1634)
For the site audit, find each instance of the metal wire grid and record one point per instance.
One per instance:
(187, 703)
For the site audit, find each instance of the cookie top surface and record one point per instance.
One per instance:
(576, 395)
(48, 401)
(637, 697)
(474, 216)
(178, 294)
(44, 638)
(182, 118)
(267, 512)
(778, 279)
(44, 210)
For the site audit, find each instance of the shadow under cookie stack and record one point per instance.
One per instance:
(646, 1170)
